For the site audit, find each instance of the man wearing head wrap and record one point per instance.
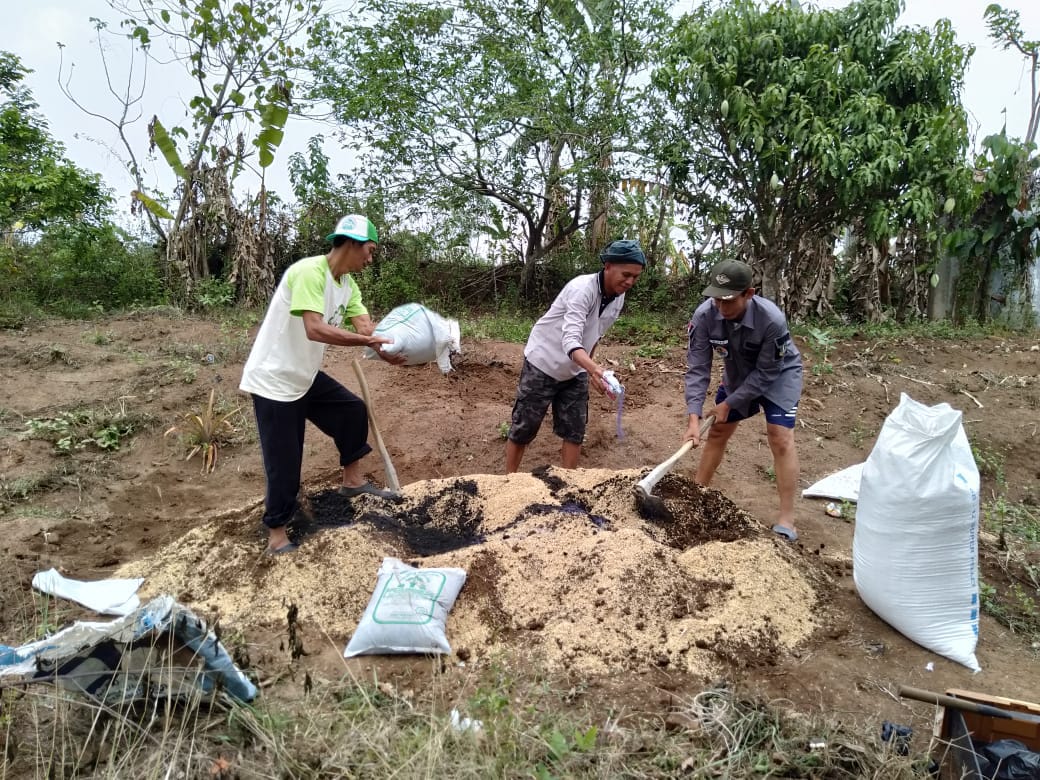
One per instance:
(558, 357)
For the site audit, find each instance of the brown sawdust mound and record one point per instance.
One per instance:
(560, 565)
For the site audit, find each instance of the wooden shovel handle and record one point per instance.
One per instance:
(391, 474)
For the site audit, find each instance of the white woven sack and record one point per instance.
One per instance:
(422, 334)
(915, 548)
(408, 611)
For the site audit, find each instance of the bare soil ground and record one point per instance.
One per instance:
(91, 512)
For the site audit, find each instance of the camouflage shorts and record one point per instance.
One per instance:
(537, 390)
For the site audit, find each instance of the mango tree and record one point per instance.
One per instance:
(516, 105)
(786, 124)
(39, 187)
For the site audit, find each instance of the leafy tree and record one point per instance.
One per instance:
(788, 123)
(1001, 237)
(243, 56)
(38, 185)
(510, 109)
(1005, 28)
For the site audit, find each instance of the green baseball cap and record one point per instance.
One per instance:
(728, 279)
(357, 227)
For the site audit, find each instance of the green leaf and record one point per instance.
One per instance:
(153, 206)
(558, 745)
(166, 145)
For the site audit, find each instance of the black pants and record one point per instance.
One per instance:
(334, 410)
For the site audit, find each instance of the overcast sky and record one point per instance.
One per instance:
(996, 80)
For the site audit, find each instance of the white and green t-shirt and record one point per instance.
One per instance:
(283, 362)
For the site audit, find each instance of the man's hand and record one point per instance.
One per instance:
(597, 381)
(693, 431)
(396, 359)
(363, 324)
(721, 412)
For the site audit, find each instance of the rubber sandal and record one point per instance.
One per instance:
(370, 489)
(285, 548)
(787, 533)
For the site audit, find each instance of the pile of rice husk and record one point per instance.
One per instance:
(560, 564)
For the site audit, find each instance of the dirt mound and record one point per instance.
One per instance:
(560, 564)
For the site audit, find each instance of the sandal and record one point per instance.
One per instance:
(789, 534)
(285, 548)
(371, 490)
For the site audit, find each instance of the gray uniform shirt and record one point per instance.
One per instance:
(758, 354)
(574, 320)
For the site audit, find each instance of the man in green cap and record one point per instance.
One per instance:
(283, 372)
(762, 368)
(558, 359)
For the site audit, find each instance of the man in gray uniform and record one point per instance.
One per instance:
(558, 356)
(762, 368)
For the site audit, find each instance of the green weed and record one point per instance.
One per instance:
(20, 489)
(100, 338)
(651, 351)
(823, 343)
(213, 293)
(81, 429)
(990, 463)
(1006, 519)
(860, 433)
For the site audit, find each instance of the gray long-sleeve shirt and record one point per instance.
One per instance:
(759, 357)
(573, 321)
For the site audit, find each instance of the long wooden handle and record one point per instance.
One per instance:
(967, 705)
(651, 479)
(664, 467)
(391, 474)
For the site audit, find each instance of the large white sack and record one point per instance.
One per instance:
(421, 334)
(915, 548)
(408, 611)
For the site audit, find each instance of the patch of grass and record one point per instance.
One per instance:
(51, 354)
(503, 429)
(823, 343)
(990, 463)
(860, 433)
(99, 338)
(1016, 606)
(651, 351)
(891, 330)
(648, 330)
(514, 328)
(21, 489)
(236, 341)
(1008, 519)
(1013, 595)
(528, 727)
(85, 428)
